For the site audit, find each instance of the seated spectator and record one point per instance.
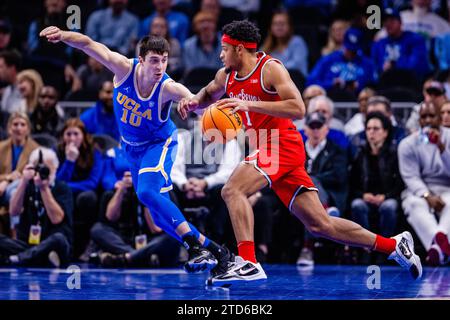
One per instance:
(282, 44)
(30, 84)
(224, 15)
(178, 21)
(81, 168)
(325, 106)
(100, 119)
(114, 27)
(14, 154)
(48, 117)
(400, 49)
(92, 75)
(383, 105)
(309, 93)
(326, 164)
(126, 235)
(5, 35)
(198, 181)
(346, 69)
(336, 34)
(375, 181)
(424, 159)
(445, 114)
(160, 27)
(44, 207)
(12, 100)
(433, 92)
(203, 49)
(52, 60)
(356, 123)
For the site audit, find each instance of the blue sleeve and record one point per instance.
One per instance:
(109, 178)
(86, 118)
(377, 54)
(319, 74)
(441, 51)
(65, 171)
(418, 56)
(33, 39)
(93, 180)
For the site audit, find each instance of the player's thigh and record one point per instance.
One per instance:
(245, 179)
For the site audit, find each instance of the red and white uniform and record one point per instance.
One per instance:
(279, 153)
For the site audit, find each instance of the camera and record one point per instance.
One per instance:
(41, 168)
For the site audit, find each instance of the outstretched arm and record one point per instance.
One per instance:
(277, 78)
(114, 61)
(207, 95)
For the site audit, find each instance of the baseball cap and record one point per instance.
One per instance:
(315, 120)
(353, 39)
(391, 13)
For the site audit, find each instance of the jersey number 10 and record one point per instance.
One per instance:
(132, 119)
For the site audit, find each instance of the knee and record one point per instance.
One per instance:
(358, 206)
(86, 199)
(414, 204)
(96, 230)
(229, 192)
(60, 240)
(388, 207)
(147, 195)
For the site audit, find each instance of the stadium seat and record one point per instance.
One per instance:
(104, 142)
(46, 140)
(298, 78)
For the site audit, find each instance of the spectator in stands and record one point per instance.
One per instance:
(282, 44)
(336, 34)
(44, 205)
(309, 93)
(424, 159)
(357, 123)
(30, 84)
(12, 99)
(383, 105)
(203, 49)
(14, 153)
(178, 22)
(224, 15)
(160, 27)
(345, 69)
(126, 234)
(114, 26)
(92, 75)
(48, 117)
(100, 119)
(375, 181)
(326, 164)
(325, 106)
(445, 114)
(5, 35)
(81, 168)
(51, 60)
(433, 92)
(404, 50)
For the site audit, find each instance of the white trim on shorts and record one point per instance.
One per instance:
(296, 193)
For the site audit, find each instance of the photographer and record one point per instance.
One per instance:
(44, 205)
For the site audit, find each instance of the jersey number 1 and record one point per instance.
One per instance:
(133, 119)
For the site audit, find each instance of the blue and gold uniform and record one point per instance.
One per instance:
(149, 138)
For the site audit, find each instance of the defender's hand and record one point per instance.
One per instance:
(52, 33)
(187, 105)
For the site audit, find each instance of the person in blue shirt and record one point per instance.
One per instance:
(178, 22)
(345, 69)
(400, 49)
(143, 96)
(100, 118)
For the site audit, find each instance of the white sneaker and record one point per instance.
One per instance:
(404, 254)
(53, 257)
(306, 258)
(239, 270)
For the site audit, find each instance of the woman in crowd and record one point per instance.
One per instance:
(30, 85)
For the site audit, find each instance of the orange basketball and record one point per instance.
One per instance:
(220, 125)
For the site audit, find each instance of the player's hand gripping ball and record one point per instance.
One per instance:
(220, 125)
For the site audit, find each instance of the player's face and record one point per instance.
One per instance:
(229, 56)
(154, 64)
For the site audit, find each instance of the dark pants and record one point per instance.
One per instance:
(110, 240)
(36, 255)
(85, 215)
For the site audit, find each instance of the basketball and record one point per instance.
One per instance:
(220, 125)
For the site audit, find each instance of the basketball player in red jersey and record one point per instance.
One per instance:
(262, 92)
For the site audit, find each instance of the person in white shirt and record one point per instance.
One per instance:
(12, 100)
(356, 123)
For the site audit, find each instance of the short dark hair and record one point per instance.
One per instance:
(243, 30)
(380, 99)
(385, 122)
(12, 58)
(156, 44)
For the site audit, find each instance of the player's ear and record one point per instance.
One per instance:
(141, 59)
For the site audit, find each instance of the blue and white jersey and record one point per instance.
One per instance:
(141, 120)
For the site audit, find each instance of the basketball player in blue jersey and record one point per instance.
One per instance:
(143, 95)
